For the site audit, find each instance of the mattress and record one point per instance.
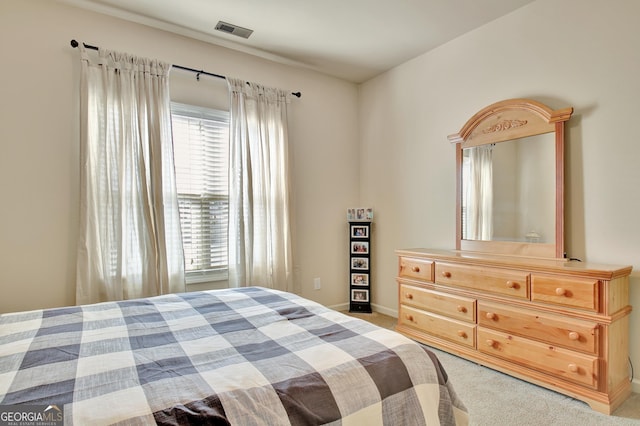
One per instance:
(247, 356)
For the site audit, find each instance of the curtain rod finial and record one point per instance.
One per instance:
(74, 44)
(297, 94)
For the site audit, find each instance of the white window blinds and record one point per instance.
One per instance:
(201, 150)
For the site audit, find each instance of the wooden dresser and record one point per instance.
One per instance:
(560, 324)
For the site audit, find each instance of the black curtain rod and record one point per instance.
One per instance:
(75, 44)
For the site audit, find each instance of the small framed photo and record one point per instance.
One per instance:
(360, 279)
(358, 295)
(361, 263)
(359, 231)
(359, 247)
(360, 214)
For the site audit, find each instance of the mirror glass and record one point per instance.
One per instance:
(508, 190)
(510, 180)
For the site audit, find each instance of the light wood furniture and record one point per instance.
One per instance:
(515, 305)
(559, 324)
(506, 122)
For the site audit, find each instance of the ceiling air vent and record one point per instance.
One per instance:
(233, 29)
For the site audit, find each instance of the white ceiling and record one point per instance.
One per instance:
(351, 39)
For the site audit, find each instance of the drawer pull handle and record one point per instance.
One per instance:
(573, 368)
(462, 334)
(409, 296)
(511, 284)
(573, 335)
(446, 274)
(409, 317)
(461, 309)
(561, 291)
(416, 269)
(490, 342)
(490, 315)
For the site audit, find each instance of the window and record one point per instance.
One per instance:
(201, 150)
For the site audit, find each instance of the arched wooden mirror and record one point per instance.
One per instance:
(510, 180)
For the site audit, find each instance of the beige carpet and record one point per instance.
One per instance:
(496, 399)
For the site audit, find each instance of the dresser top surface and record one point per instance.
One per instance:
(532, 263)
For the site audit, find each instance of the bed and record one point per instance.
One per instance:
(245, 356)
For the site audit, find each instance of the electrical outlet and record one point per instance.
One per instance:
(316, 284)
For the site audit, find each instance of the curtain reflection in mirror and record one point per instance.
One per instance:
(477, 199)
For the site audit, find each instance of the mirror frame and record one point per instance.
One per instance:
(503, 121)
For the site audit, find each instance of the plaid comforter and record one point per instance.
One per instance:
(246, 356)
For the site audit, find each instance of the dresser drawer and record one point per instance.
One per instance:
(419, 269)
(571, 292)
(457, 307)
(561, 363)
(439, 326)
(557, 330)
(493, 280)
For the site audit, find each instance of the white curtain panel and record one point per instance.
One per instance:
(130, 242)
(259, 216)
(480, 195)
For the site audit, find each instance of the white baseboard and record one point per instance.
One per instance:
(375, 308)
(341, 307)
(635, 385)
(384, 310)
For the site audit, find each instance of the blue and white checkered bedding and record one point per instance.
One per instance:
(249, 356)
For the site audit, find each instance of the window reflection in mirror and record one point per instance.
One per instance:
(508, 191)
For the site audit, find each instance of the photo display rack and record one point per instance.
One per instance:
(360, 261)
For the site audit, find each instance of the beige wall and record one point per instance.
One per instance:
(39, 147)
(580, 53)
